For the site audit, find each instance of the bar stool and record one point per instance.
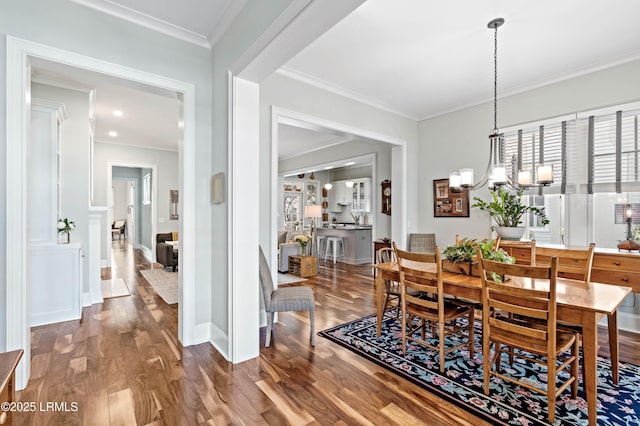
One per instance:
(321, 244)
(337, 244)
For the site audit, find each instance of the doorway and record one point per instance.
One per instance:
(19, 55)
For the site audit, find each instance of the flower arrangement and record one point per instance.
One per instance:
(303, 240)
(65, 226)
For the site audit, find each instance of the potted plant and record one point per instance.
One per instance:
(461, 258)
(506, 209)
(303, 240)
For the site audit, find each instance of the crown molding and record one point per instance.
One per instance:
(142, 19)
(231, 12)
(131, 145)
(319, 148)
(339, 90)
(58, 82)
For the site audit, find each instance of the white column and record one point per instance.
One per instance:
(95, 243)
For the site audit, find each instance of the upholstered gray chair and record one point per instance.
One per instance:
(299, 298)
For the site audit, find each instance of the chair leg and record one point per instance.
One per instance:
(486, 352)
(313, 334)
(575, 367)
(267, 338)
(551, 388)
(471, 333)
(441, 344)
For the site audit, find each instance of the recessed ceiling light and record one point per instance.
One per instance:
(117, 113)
(350, 163)
(328, 167)
(113, 134)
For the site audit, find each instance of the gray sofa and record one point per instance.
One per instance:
(166, 254)
(286, 248)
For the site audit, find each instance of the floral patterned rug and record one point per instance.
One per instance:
(461, 382)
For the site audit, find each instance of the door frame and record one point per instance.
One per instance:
(154, 201)
(17, 261)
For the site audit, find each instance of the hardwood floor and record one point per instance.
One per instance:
(123, 365)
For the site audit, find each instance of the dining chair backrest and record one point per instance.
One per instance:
(266, 282)
(518, 297)
(386, 255)
(422, 243)
(572, 263)
(421, 272)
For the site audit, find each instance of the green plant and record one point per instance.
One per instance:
(507, 209)
(462, 252)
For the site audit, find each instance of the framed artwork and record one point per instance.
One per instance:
(447, 203)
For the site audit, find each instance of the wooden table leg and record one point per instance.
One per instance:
(612, 322)
(379, 289)
(589, 353)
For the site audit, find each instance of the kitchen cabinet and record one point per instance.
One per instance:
(361, 195)
(339, 196)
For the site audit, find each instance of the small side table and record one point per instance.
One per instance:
(303, 266)
(377, 245)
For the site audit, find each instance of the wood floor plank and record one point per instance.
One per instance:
(123, 364)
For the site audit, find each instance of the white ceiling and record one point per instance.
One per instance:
(420, 58)
(150, 116)
(425, 58)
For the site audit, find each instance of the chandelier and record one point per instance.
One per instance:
(497, 173)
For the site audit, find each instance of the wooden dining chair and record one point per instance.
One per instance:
(531, 327)
(422, 272)
(422, 243)
(576, 264)
(392, 288)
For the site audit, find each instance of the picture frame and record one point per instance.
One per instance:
(447, 203)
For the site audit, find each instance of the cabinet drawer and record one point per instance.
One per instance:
(622, 278)
(522, 255)
(616, 263)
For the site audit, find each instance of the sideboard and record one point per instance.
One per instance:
(610, 266)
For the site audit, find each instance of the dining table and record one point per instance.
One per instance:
(578, 302)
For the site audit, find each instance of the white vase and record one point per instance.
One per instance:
(510, 232)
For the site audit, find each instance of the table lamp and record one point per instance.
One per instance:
(313, 211)
(632, 215)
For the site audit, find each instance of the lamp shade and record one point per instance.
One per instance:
(312, 211)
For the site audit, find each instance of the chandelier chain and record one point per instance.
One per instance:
(495, 79)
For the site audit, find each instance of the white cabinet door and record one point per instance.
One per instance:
(361, 195)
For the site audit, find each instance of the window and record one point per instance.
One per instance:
(146, 189)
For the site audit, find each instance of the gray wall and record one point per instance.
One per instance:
(446, 145)
(69, 26)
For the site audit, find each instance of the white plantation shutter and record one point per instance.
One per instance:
(613, 152)
(536, 144)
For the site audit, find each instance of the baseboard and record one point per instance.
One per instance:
(628, 322)
(146, 252)
(219, 340)
(201, 333)
(86, 299)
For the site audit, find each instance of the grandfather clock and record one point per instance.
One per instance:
(386, 196)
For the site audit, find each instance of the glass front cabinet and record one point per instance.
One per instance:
(361, 195)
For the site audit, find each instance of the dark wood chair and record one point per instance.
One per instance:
(422, 272)
(392, 288)
(529, 325)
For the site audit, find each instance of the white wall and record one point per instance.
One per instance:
(452, 141)
(74, 162)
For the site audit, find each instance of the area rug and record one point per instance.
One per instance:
(462, 381)
(289, 279)
(164, 283)
(115, 287)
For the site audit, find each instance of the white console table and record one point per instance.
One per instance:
(55, 277)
